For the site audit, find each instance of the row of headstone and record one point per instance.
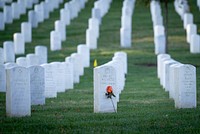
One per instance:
(80, 60)
(13, 11)
(159, 29)
(39, 57)
(36, 81)
(7, 56)
(58, 77)
(192, 37)
(100, 8)
(179, 80)
(110, 75)
(69, 12)
(41, 11)
(126, 23)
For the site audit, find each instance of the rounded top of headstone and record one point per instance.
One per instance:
(30, 55)
(7, 42)
(10, 65)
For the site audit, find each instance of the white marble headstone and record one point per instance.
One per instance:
(65, 16)
(75, 65)
(186, 97)
(59, 76)
(173, 79)
(195, 43)
(94, 25)
(10, 65)
(37, 85)
(188, 19)
(124, 58)
(68, 10)
(40, 12)
(104, 76)
(125, 38)
(33, 19)
(15, 10)
(69, 83)
(159, 30)
(160, 44)
(126, 22)
(9, 54)
(60, 28)
(41, 52)
(32, 60)
(50, 86)
(8, 19)
(55, 41)
(29, 4)
(84, 51)
(96, 13)
(159, 58)
(191, 29)
(22, 6)
(19, 43)
(91, 41)
(46, 7)
(26, 31)
(18, 100)
(21, 61)
(78, 59)
(166, 73)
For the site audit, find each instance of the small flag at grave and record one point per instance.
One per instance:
(95, 63)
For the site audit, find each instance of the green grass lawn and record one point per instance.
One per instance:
(144, 106)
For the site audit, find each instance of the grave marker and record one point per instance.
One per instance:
(186, 87)
(91, 41)
(18, 102)
(60, 28)
(55, 41)
(26, 31)
(50, 87)
(125, 38)
(191, 29)
(160, 44)
(8, 14)
(41, 52)
(37, 85)
(195, 43)
(32, 60)
(19, 43)
(104, 76)
(59, 76)
(84, 51)
(9, 54)
(69, 84)
(15, 10)
(21, 61)
(33, 19)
